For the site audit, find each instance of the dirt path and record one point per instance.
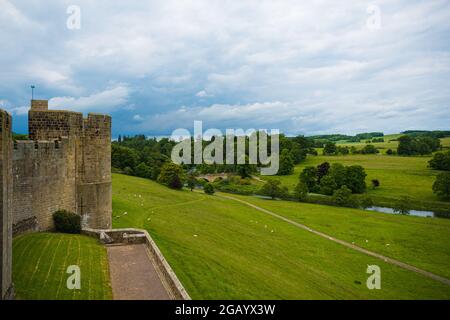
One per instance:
(345, 243)
(133, 276)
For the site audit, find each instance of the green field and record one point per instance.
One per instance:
(422, 242)
(388, 143)
(383, 146)
(40, 262)
(399, 176)
(222, 249)
(445, 142)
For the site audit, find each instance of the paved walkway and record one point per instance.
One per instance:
(345, 243)
(133, 275)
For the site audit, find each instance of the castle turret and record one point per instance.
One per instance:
(39, 105)
(45, 124)
(94, 172)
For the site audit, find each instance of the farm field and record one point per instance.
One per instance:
(40, 262)
(399, 176)
(446, 142)
(222, 249)
(383, 146)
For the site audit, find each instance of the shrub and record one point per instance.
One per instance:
(409, 146)
(67, 222)
(171, 175)
(343, 197)
(300, 191)
(245, 170)
(191, 182)
(286, 163)
(272, 188)
(309, 177)
(369, 149)
(328, 185)
(440, 161)
(356, 179)
(342, 150)
(322, 170)
(208, 188)
(403, 206)
(143, 171)
(175, 182)
(375, 183)
(330, 149)
(365, 202)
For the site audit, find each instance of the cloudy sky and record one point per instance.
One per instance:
(301, 67)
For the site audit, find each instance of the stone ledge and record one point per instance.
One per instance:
(137, 236)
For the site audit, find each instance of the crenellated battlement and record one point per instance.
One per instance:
(22, 146)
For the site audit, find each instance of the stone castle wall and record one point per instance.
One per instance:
(6, 183)
(94, 189)
(44, 181)
(66, 164)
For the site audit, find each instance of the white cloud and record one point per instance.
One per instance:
(104, 101)
(20, 111)
(247, 57)
(203, 94)
(15, 111)
(137, 117)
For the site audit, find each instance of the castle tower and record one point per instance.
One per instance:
(94, 189)
(88, 154)
(45, 124)
(6, 287)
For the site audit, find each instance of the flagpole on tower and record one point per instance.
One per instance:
(32, 92)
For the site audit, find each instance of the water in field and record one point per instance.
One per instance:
(418, 213)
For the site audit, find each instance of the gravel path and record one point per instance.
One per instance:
(133, 275)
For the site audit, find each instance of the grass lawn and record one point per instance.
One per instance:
(222, 249)
(40, 261)
(422, 242)
(399, 176)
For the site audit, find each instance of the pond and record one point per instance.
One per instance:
(418, 213)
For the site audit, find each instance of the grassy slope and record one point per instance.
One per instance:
(418, 241)
(399, 176)
(221, 249)
(40, 261)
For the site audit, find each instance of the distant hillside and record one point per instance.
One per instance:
(435, 133)
(343, 137)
